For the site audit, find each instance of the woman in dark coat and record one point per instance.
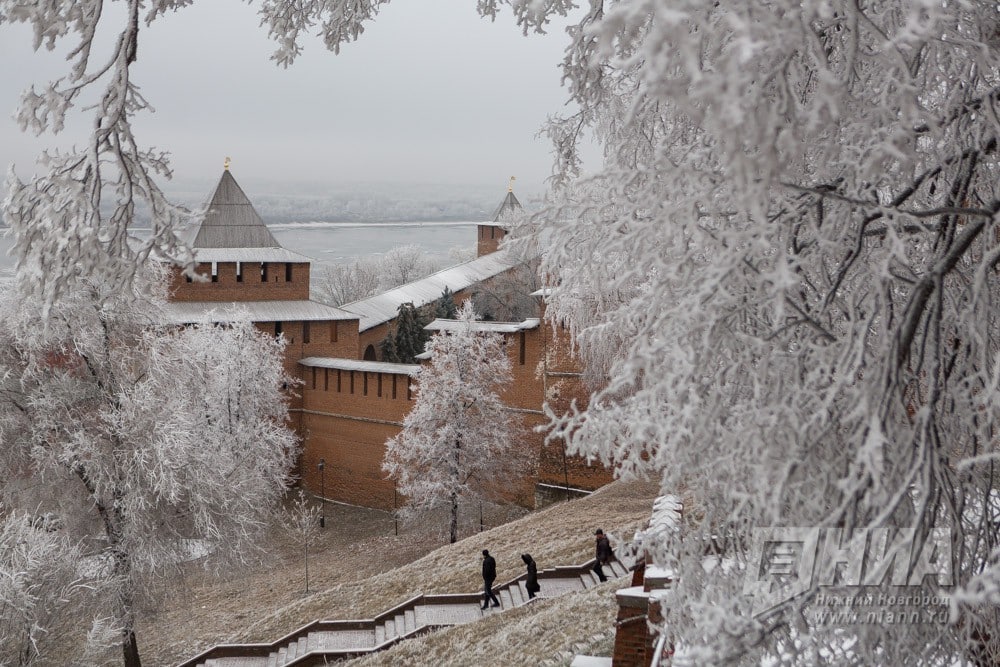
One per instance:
(531, 585)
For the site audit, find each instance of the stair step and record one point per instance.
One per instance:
(390, 629)
(293, 651)
(282, 654)
(409, 621)
(400, 624)
(379, 633)
(587, 581)
(506, 601)
(272, 659)
(303, 646)
(515, 594)
(619, 569)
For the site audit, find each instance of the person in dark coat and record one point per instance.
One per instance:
(489, 576)
(602, 554)
(531, 584)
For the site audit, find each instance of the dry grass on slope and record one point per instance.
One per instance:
(544, 631)
(558, 535)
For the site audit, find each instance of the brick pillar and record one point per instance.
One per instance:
(632, 635)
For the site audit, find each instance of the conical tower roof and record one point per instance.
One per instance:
(231, 221)
(507, 207)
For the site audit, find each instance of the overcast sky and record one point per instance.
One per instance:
(430, 93)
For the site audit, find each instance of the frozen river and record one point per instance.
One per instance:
(330, 243)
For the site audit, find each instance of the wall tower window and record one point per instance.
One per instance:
(263, 272)
(277, 329)
(288, 273)
(215, 272)
(522, 348)
(306, 337)
(333, 331)
(239, 272)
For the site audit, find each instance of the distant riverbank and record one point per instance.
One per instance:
(330, 243)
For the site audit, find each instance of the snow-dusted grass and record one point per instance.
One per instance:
(558, 535)
(547, 632)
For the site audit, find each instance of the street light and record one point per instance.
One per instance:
(322, 492)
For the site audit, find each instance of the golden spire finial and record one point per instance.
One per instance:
(510, 185)
(225, 165)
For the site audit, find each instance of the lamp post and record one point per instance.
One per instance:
(322, 492)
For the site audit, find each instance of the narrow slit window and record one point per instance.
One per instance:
(263, 272)
(380, 385)
(288, 272)
(365, 384)
(215, 272)
(333, 331)
(394, 386)
(326, 379)
(239, 272)
(409, 389)
(305, 334)
(522, 348)
(277, 329)
(314, 377)
(352, 381)
(338, 381)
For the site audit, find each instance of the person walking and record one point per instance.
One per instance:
(489, 576)
(602, 554)
(531, 584)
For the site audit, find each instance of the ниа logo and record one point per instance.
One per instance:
(786, 562)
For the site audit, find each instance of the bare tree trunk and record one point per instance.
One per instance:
(454, 517)
(130, 648)
(454, 494)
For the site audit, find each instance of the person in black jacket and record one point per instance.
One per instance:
(489, 576)
(531, 583)
(602, 554)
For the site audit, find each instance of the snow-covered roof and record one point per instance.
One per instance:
(441, 324)
(203, 312)
(248, 255)
(231, 221)
(508, 207)
(383, 307)
(358, 365)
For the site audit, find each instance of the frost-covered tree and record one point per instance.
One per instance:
(344, 283)
(785, 272)
(165, 436)
(302, 524)
(404, 264)
(459, 444)
(74, 218)
(507, 297)
(42, 594)
(366, 277)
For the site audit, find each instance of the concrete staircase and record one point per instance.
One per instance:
(322, 641)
